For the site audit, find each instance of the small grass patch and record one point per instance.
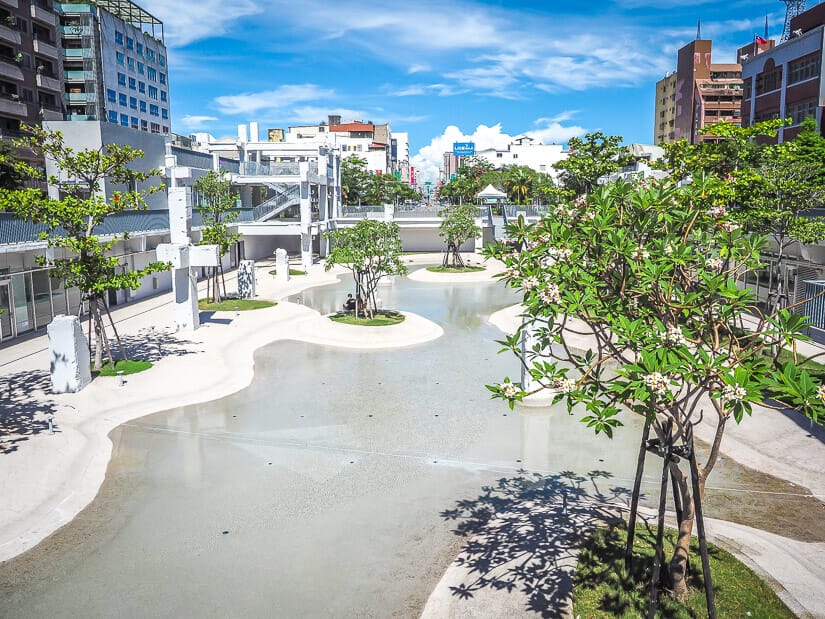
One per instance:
(382, 318)
(815, 369)
(468, 268)
(291, 272)
(604, 589)
(130, 366)
(234, 305)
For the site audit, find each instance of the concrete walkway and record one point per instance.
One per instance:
(47, 479)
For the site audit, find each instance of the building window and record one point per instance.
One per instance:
(144, 125)
(768, 82)
(132, 83)
(153, 92)
(804, 69)
(111, 95)
(155, 128)
(800, 111)
(131, 63)
(163, 78)
(113, 117)
(499, 155)
(165, 129)
(162, 60)
(123, 99)
(134, 122)
(139, 49)
(120, 58)
(124, 120)
(153, 110)
(133, 103)
(130, 43)
(141, 67)
(143, 106)
(163, 95)
(118, 37)
(150, 55)
(164, 113)
(142, 87)
(152, 74)
(121, 79)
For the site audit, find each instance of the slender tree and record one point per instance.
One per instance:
(457, 225)
(72, 220)
(215, 202)
(591, 158)
(371, 250)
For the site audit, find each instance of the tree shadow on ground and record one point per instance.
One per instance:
(155, 344)
(524, 534)
(22, 414)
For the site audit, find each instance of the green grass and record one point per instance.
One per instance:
(131, 366)
(382, 318)
(234, 305)
(470, 268)
(291, 272)
(815, 369)
(603, 589)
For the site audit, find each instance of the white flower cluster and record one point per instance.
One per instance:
(565, 385)
(668, 249)
(656, 382)
(580, 201)
(513, 271)
(717, 211)
(820, 392)
(731, 393)
(714, 263)
(551, 294)
(530, 283)
(641, 253)
(508, 389)
(730, 227)
(674, 336)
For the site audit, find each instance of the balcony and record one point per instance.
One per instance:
(44, 16)
(78, 76)
(45, 49)
(76, 31)
(76, 98)
(73, 53)
(80, 117)
(9, 35)
(11, 3)
(10, 69)
(49, 83)
(12, 107)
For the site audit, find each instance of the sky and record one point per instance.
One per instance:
(441, 71)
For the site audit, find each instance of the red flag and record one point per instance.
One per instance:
(760, 40)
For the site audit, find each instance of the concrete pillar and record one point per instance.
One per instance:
(306, 218)
(389, 212)
(479, 240)
(281, 265)
(245, 193)
(69, 354)
(180, 214)
(246, 279)
(185, 291)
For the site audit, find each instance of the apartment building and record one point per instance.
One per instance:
(525, 151)
(785, 81)
(30, 65)
(115, 67)
(366, 140)
(700, 92)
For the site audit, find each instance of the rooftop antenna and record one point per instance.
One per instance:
(698, 29)
(792, 9)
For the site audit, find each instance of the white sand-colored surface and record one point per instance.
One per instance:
(491, 268)
(46, 480)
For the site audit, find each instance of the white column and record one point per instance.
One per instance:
(306, 218)
(70, 367)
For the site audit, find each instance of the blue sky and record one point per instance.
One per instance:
(441, 71)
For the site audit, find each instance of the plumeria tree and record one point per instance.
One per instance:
(215, 203)
(631, 304)
(371, 250)
(457, 225)
(72, 220)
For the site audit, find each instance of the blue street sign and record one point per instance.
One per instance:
(464, 149)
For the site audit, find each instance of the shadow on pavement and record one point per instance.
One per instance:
(525, 532)
(21, 415)
(153, 345)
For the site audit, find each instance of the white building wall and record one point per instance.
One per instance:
(538, 157)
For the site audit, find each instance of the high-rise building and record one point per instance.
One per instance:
(785, 81)
(114, 62)
(30, 65)
(703, 93)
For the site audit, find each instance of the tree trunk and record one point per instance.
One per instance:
(678, 566)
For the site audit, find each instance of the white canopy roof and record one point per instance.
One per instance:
(491, 192)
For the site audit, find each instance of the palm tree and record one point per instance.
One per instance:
(519, 182)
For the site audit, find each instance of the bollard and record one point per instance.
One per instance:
(50, 421)
(564, 502)
(120, 378)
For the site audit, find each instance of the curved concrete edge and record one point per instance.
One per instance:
(488, 275)
(222, 363)
(507, 320)
(321, 330)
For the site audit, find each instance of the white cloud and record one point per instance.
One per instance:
(195, 123)
(281, 98)
(186, 21)
(430, 159)
(418, 68)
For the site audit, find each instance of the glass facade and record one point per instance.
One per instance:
(30, 299)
